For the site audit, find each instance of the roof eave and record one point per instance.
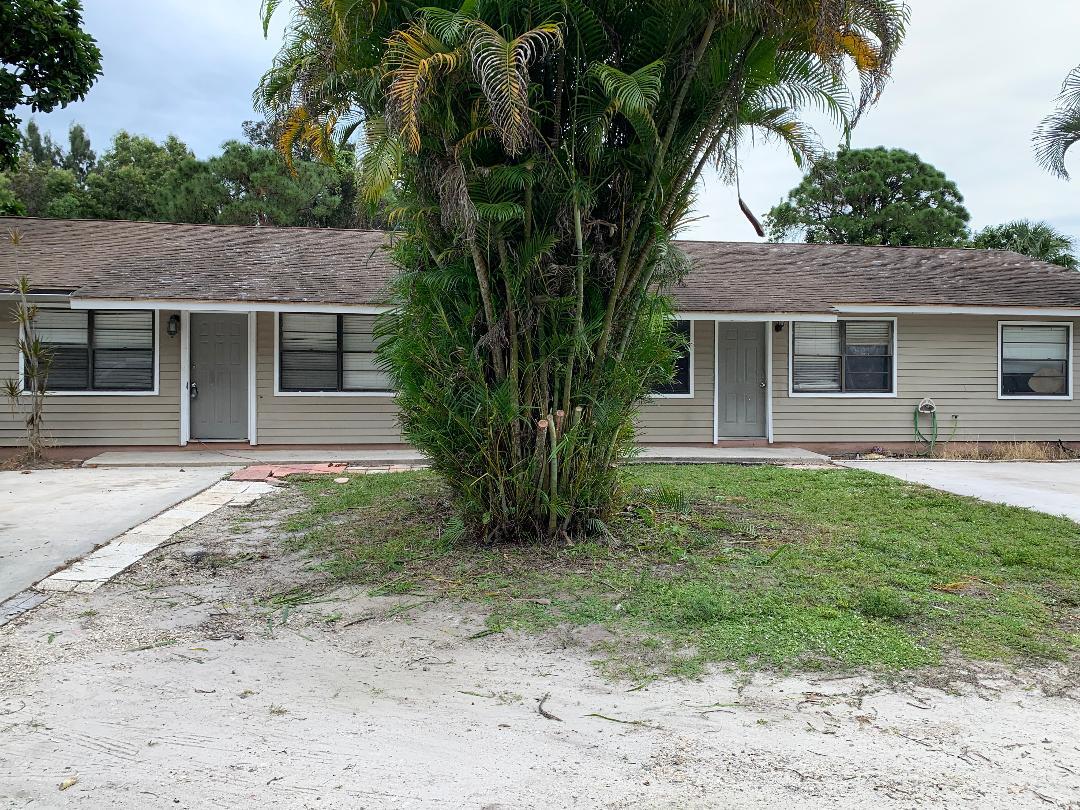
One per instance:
(954, 309)
(210, 305)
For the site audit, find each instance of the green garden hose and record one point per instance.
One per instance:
(931, 440)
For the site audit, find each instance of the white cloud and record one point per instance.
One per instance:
(172, 66)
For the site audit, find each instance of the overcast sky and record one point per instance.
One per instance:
(972, 81)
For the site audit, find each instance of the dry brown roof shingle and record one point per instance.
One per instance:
(145, 260)
(108, 259)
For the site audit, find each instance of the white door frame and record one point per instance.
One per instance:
(185, 376)
(768, 326)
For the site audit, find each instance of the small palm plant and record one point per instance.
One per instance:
(27, 395)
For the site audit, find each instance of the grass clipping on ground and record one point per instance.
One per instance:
(758, 566)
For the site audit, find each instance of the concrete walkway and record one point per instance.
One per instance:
(659, 454)
(217, 458)
(1051, 487)
(48, 517)
(94, 570)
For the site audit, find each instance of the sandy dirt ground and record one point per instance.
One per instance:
(175, 686)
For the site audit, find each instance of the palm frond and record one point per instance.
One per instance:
(380, 164)
(501, 66)
(1060, 131)
(635, 92)
(415, 57)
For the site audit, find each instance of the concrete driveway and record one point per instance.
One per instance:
(1053, 488)
(48, 517)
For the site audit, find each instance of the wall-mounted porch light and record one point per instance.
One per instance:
(173, 326)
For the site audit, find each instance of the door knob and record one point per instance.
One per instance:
(763, 384)
(194, 390)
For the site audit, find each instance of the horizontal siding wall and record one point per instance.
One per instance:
(317, 419)
(685, 420)
(99, 420)
(952, 360)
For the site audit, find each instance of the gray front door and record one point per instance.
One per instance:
(740, 380)
(219, 377)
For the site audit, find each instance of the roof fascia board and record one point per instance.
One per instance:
(44, 297)
(756, 317)
(893, 309)
(224, 306)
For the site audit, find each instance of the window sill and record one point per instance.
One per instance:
(153, 393)
(848, 395)
(320, 394)
(672, 396)
(1038, 397)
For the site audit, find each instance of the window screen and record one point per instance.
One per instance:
(123, 351)
(65, 334)
(847, 357)
(681, 383)
(98, 350)
(329, 353)
(1035, 360)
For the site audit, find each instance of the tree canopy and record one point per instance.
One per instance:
(46, 60)
(1039, 240)
(872, 197)
(1060, 130)
(141, 179)
(540, 155)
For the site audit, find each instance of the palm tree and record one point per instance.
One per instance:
(541, 155)
(1061, 129)
(1039, 240)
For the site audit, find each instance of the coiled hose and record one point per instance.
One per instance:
(931, 440)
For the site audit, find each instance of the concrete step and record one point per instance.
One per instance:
(693, 454)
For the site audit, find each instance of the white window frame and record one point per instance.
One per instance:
(1037, 397)
(277, 375)
(690, 358)
(153, 392)
(846, 394)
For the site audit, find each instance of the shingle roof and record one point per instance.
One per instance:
(146, 260)
(755, 277)
(109, 259)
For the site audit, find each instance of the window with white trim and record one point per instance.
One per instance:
(97, 350)
(325, 352)
(680, 386)
(1034, 360)
(846, 357)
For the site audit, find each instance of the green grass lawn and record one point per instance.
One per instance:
(759, 566)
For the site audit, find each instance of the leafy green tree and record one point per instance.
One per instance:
(45, 180)
(80, 158)
(541, 156)
(137, 178)
(42, 148)
(251, 185)
(10, 204)
(44, 190)
(1039, 240)
(46, 60)
(353, 211)
(1060, 130)
(872, 197)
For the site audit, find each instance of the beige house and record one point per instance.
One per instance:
(179, 335)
